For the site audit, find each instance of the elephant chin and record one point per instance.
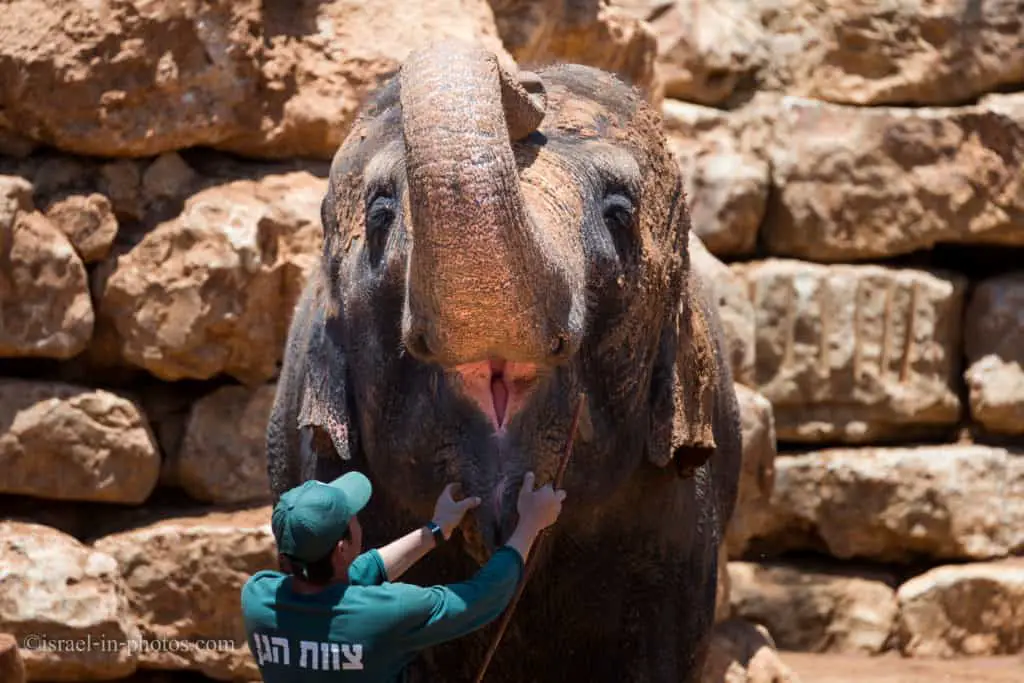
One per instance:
(499, 388)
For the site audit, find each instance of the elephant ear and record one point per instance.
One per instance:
(684, 387)
(323, 404)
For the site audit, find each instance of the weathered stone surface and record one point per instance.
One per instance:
(12, 668)
(319, 64)
(243, 76)
(88, 222)
(723, 606)
(184, 576)
(45, 309)
(741, 652)
(726, 176)
(220, 465)
(15, 198)
(734, 306)
(816, 609)
(56, 592)
(591, 32)
(994, 345)
(894, 51)
(857, 184)
(64, 442)
(856, 353)
(971, 609)
(212, 290)
(899, 504)
(753, 514)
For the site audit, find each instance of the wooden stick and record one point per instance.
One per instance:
(534, 554)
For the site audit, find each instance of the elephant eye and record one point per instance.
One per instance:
(380, 212)
(618, 212)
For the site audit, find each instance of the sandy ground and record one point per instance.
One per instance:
(894, 669)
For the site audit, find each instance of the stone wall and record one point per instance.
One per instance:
(856, 176)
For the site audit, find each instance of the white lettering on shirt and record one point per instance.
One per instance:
(313, 654)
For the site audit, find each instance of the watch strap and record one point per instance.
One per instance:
(436, 531)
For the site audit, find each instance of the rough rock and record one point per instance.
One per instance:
(858, 184)
(734, 306)
(65, 442)
(994, 346)
(184, 576)
(741, 652)
(321, 62)
(88, 222)
(816, 609)
(864, 53)
(15, 198)
(723, 606)
(56, 594)
(972, 609)
(591, 32)
(856, 353)
(218, 465)
(212, 291)
(12, 668)
(726, 176)
(955, 502)
(754, 513)
(140, 78)
(45, 309)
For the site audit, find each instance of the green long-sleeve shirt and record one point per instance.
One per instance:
(368, 629)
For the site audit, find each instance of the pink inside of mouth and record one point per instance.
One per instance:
(499, 388)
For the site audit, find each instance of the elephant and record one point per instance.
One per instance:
(497, 242)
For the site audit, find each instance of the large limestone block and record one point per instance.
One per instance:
(184, 577)
(887, 51)
(735, 309)
(724, 160)
(173, 75)
(66, 605)
(994, 345)
(212, 291)
(263, 79)
(742, 652)
(970, 609)
(753, 514)
(592, 32)
(65, 442)
(45, 309)
(219, 465)
(856, 353)
(857, 184)
(814, 609)
(321, 61)
(899, 504)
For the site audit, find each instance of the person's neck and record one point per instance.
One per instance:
(306, 588)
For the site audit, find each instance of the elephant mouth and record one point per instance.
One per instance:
(499, 388)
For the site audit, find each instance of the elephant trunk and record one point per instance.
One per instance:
(476, 289)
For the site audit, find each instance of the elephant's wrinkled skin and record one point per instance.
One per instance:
(549, 265)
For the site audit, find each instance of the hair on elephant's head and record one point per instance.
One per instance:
(495, 244)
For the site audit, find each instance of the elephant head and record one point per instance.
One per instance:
(496, 243)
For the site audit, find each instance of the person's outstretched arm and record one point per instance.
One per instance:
(437, 614)
(398, 556)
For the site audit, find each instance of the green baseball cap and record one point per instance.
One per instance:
(311, 518)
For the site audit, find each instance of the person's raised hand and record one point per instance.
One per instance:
(538, 509)
(448, 512)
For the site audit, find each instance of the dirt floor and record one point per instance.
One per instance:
(894, 669)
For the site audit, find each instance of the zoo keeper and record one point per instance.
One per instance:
(337, 613)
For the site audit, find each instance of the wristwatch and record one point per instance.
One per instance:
(436, 531)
